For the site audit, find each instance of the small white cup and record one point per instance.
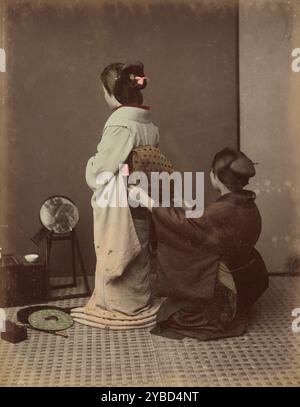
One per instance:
(31, 258)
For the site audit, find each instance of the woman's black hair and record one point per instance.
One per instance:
(233, 168)
(121, 80)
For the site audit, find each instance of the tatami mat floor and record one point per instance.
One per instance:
(268, 355)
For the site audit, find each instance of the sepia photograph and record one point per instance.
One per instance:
(150, 196)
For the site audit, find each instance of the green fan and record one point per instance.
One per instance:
(50, 320)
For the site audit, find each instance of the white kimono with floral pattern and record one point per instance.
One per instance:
(122, 296)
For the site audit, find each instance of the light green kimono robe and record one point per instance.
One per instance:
(122, 296)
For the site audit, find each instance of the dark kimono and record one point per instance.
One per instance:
(192, 254)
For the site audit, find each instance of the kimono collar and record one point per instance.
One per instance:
(138, 113)
(145, 107)
(243, 197)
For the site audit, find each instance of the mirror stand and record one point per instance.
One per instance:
(73, 239)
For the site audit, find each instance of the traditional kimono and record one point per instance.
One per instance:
(208, 268)
(122, 296)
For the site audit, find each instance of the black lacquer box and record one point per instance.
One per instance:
(21, 283)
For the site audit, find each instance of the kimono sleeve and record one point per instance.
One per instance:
(113, 150)
(206, 230)
(157, 139)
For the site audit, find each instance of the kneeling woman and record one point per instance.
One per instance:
(208, 267)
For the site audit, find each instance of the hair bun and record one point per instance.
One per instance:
(130, 74)
(243, 166)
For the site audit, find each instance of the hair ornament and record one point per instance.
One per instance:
(139, 79)
(243, 166)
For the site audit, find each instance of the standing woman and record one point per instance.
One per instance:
(122, 297)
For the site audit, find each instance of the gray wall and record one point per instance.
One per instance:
(55, 110)
(270, 126)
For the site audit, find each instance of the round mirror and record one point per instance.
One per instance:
(59, 214)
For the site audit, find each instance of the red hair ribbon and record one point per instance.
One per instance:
(140, 79)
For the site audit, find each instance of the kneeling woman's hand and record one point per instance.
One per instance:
(137, 194)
